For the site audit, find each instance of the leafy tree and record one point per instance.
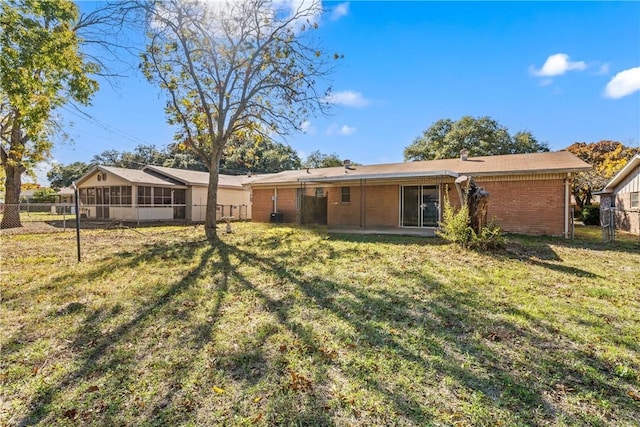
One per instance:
(140, 156)
(606, 158)
(258, 156)
(64, 175)
(316, 159)
(41, 68)
(181, 158)
(233, 71)
(44, 195)
(481, 136)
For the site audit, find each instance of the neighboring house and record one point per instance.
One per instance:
(66, 195)
(26, 196)
(622, 194)
(156, 193)
(529, 193)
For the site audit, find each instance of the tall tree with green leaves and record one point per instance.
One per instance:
(317, 159)
(606, 159)
(234, 71)
(481, 136)
(259, 157)
(64, 175)
(41, 68)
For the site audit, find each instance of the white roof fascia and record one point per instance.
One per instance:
(393, 175)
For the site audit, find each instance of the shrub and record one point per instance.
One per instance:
(591, 215)
(456, 228)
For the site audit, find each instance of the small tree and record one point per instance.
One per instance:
(456, 227)
(44, 195)
(233, 71)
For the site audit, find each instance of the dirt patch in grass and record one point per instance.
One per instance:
(278, 325)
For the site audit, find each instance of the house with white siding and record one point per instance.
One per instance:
(622, 196)
(156, 193)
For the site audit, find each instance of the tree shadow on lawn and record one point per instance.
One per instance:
(458, 318)
(433, 331)
(96, 339)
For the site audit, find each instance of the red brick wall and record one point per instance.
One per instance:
(382, 205)
(528, 207)
(263, 203)
(339, 213)
(522, 206)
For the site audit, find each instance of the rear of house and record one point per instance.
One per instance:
(529, 193)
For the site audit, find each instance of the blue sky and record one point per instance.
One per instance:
(566, 72)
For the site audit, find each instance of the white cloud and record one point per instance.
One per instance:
(624, 83)
(348, 98)
(557, 65)
(340, 10)
(344, 130)
(347, 130)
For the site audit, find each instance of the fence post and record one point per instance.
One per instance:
(75, 193)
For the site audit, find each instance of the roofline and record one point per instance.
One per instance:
(85, 176)
(427, 174)
(170, 175)
(348, 177)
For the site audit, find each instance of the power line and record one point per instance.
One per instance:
(105, 126)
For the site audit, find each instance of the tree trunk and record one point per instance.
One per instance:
(212, 197)
(13, 170)
(476, 199)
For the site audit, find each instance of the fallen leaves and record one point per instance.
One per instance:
(298, 382)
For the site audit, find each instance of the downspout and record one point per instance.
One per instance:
(275, 198)
(567, 205)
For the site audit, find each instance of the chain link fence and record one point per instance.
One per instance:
(613, 220)
(53, 217)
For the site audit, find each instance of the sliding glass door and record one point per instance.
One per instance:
(419, 206)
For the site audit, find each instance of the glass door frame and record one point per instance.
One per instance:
(419, 205)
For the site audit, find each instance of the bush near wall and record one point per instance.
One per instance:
(591, 215)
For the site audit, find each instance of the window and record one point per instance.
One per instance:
(161, 196)
(115, 196)
(319, 192)
(144, 195)
(346, 194)
(91, 196)
(83, 196)
(634, 200)
(126, 195)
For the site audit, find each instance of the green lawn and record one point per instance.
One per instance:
(281, 325)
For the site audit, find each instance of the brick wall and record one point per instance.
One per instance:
(339, 213)
(263, 203)
(527, 207)
(520, 206)
(382, 205)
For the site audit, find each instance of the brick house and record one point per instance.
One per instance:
(622, 194)
(529, 193)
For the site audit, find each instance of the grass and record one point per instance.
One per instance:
(279, 325)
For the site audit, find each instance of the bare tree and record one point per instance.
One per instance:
(234, 71)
